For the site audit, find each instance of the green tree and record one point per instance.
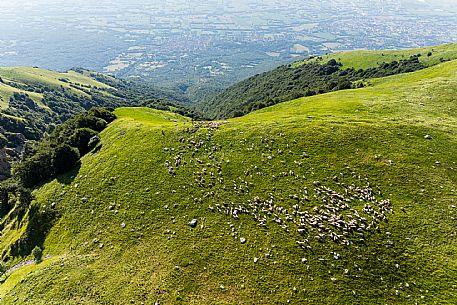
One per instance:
(36, 169)
(37, 253)
(3, 141)
(64, 158)
(3, 268)
(81, 138)
(90, 121)
(103, 113)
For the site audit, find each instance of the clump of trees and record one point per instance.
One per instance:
(61, 150)
(55, 154)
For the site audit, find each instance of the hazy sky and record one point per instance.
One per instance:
(44, 5)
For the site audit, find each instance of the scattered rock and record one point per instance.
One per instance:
(193, 223)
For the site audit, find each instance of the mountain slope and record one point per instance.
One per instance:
(34, 101)
(365, 59)
(123, 234)
(319, 75)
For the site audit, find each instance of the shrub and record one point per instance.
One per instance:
(90, 121)
(3, 141)
(2, 268)
(35, 169)
(103, 113)
(37, 253)
(61, 150)
(81, 138)
(64, 158)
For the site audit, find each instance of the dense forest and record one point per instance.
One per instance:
(290, 82)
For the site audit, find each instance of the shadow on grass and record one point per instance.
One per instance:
(40, 219)
(70, 176)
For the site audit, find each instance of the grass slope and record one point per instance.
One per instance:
(318, 75)
(130, 242)
(33, 76)
(364, 59)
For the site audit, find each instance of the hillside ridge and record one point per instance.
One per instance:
(346, 197)
(317, 75)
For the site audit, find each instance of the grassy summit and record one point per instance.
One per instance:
(292, 204)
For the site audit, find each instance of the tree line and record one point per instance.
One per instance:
(289, 82)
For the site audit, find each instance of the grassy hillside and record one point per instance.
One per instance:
(319, 75)
(365, 59)
(34, 101)
(275, 195)
(26, 77)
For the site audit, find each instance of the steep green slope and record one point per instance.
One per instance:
(365, 59)
(23, 79)
(276, 178)
(319, 75)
